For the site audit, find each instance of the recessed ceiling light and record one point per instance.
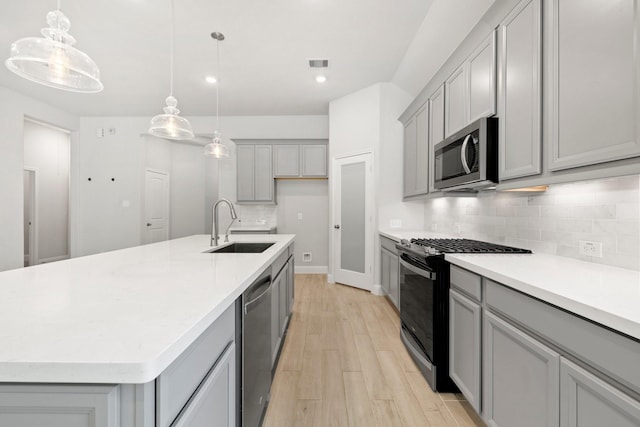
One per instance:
(321, 79)
(210, 79)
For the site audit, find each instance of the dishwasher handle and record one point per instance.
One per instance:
(266, 283)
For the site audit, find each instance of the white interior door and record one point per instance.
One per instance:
(29, 176)
(156, 206)
(353, 221)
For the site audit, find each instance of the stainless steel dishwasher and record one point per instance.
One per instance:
(256, 350)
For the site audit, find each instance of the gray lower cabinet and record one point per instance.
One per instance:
(59, 406)
(592, 95)
(520, 91)
(254, 169)
(290, 283)
(588, 401)
(390, 270)
(465, 326)
(281, 303)
(213, 405)
(521, 377)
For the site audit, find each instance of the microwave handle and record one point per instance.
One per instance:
(463, 154)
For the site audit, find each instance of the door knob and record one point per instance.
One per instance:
(148, 224)
(337, 226)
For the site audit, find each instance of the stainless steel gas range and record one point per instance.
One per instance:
(424, 301)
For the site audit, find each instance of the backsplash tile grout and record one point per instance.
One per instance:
(553, 222)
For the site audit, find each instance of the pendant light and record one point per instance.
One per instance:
(52, 60)
(216, 148)
(170, 125)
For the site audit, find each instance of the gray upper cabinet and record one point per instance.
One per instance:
(436, 129)
(455, 93)
(255, 182)
(520, 91)
(592, 88)
(521, 378)
(314, 160)
(588, 400)
(300, 160)
(416, 154)
(482, 80)
(286, 160)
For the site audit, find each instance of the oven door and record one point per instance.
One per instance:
(417, 292)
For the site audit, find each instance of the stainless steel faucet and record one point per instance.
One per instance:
(214, 229)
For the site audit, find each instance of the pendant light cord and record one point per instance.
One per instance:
(218, 85)
(171, 36)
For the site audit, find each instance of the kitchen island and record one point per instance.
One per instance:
(105, 328)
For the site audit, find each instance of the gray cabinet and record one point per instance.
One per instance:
(59, 405)
(586, 400)
(520, 91)
(390, 270)
(213, 405)
(416, 154)
(300, 160)
(436, 130)
(313, 158)
(290, 284)
(470, 91)
(286, 160)
(521, 377)
(592, 93)
(255, 183)
(465, 325)
(281, 303)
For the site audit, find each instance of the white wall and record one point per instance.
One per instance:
(443, 29)
(309, 198)
(48, 151)
(13, 109)
(554, 222)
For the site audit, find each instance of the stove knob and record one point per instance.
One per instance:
(432, 251)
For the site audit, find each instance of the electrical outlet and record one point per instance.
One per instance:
(593, 249)
(434, 227)
(306, 257)
(457, 228)
(100, 132)
(395, 223)
(299, 215)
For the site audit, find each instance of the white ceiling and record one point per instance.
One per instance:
(264, 66)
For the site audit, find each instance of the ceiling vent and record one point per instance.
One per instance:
(318, 63)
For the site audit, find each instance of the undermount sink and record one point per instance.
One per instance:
(241, 248)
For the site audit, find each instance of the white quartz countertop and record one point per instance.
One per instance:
(606, 295)
(121, 316)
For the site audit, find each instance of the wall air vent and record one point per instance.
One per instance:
(318, 63)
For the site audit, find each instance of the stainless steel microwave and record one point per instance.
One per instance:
(468, 159)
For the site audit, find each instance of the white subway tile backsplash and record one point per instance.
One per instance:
(605, 211)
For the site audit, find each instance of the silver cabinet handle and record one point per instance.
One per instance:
(463, 154)
(337, 226)
(148, 224)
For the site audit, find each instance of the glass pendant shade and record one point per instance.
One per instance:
(170, 125)
(216, 148)
(53, 61)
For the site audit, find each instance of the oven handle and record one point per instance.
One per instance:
(463, 154)
(427, 274)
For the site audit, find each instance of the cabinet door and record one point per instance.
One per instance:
(410, 151)
(521, 377)
(275, 318)
(455, 101)
(594, 81)
(314, 160)
(290, 284)
(394, 280)
(422, 151)
(482, 80)
(464, 346)
(263, 174)
(436, 129)
(245, 172)
(214, 403)
(286, 160)
(385, 259)
(520, 91)
(282, 305)
(587, 401)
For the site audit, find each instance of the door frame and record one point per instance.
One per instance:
(369, 225)
(143, 227)
(33, 233)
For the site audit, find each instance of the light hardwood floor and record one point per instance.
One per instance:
(343, 364)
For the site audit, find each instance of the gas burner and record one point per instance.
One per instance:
(465, 246)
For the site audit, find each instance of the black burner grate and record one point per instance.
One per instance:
(452, 246)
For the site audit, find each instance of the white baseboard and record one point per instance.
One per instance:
(330, 278)
(377, 290)
(52, 259)
(311, 269)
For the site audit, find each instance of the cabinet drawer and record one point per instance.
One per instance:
(279, 263)
(179, 381)
(611, 353)
(388, 244)
(467, 282)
